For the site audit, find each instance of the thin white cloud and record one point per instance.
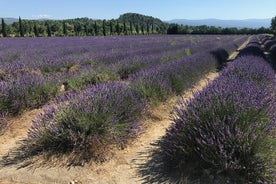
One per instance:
(42, 16)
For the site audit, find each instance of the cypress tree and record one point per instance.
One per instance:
(125, 31)
(91, 29)
(118, 28)
(4, 29)
(137, 28)
(143, 31)
(131, 28)
(48, 30)
(152, 28)
(21, 28)
(78, 28)
(148, 28)
(111, 27)
(65, 29)
(104, 30)
(96, 29)
(86, 30)
(36, 31)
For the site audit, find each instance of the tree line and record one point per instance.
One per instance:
(138, 24)
(273, 25)
(126, 24)
(204, 29)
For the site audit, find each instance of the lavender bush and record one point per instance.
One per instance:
(272, 51)
(27, 91)
(225, 129)
(263, 38)
(87, 75)
(88, 121)
(270, 46)
(221, 56)
(269, 43)
(253, 48)
(157, 84)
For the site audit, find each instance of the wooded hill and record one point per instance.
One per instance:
(126, 24)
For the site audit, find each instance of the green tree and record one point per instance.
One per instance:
(49, 33)
(111, 27)
(143, 30)
(148, 28)
(41, 30)
(96, 28)
(104, 28)
(4, 28)
(36, 31)
(90, 27)
(261, 30)
(273, 25)
(131, 27)
(28, 28)
(173, 29)
(55, 28)
(118, 28)
(21, 33)
(65, 32)
(125, 30)
(137, 28)
(78, 28)
(86, 30)
(70, 28)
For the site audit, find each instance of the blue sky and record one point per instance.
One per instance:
(163, 9)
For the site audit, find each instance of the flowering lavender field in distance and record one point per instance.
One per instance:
(32, 70)
(95, 90)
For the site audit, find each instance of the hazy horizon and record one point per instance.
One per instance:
(164, 10)
(138, 13)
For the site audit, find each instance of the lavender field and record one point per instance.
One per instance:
(33, 70)
(95, 92)
(229, 127)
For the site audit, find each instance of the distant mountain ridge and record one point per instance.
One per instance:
(9, 20)
(248, 23)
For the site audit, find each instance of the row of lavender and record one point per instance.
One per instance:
(46, 54)
(270, 46)
(87, 122)
(33, 70)
(227, 129)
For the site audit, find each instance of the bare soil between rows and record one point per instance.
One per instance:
(122, 167)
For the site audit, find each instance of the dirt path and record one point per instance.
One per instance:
(122, 168)
(235, 53)
(17, 128)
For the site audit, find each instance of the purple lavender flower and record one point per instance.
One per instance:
(224, 127)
